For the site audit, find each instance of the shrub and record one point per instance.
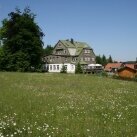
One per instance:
(115, 77)
(63, 69)
(135, 78)
(78, 69)
(104, 74)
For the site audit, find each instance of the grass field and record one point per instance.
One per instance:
(66, 105)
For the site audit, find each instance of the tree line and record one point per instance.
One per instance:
(103, 60)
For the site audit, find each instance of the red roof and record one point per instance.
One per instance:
(121, 69)
(110, 66)
(130, 66)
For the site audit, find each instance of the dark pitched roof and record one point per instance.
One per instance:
(78, 46)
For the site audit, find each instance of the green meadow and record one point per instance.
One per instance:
(66, 105)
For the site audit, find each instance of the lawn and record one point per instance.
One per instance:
(66, 105)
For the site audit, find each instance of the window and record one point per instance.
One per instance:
(87, 58)
(58, 52)
(50, 67)
(93, 59)
(50, 59)
(66, 67)
(87, 51)
(65, 52)
(74, 59)
(54, 67)
(57, 67)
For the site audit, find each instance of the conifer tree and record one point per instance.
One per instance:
(78, 69)
(104, 60)
(110, 59)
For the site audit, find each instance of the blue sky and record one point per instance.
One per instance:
(108, 26)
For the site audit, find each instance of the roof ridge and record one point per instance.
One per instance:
(79, 46)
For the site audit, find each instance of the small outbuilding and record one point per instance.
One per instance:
(127, 72)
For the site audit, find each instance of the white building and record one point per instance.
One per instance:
(57, 67)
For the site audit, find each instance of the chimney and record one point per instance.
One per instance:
(72, 41)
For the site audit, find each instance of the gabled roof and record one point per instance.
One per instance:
(75, 46)
(110, 66)
(130, 65)
(126, 67)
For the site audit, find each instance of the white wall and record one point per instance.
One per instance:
(58, 67)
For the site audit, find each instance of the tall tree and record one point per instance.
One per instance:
(98, 60)
(104, 60)
(22, 45)
(110, 59)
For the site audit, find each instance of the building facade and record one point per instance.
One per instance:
(69, 53)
